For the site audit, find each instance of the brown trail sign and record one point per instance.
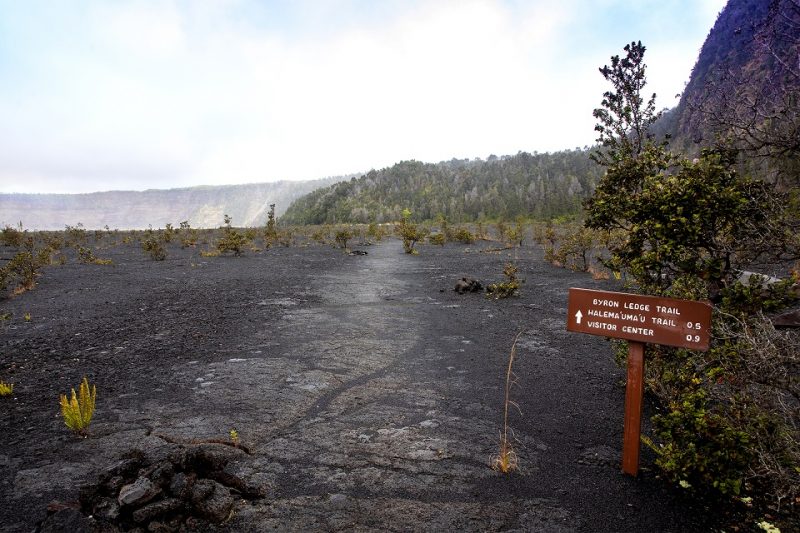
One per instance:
(639, 319)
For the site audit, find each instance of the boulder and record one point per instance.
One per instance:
(217, 505)
(156, 509)
(138, 493)
(468, 285)
(68, 520)
(790, 319)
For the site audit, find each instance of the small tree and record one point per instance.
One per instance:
(153, 244)
(343, 235)
(232, 240)
(188, 234)
(271, 231)
(409, 232)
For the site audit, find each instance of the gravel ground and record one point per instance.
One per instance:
(367, 392)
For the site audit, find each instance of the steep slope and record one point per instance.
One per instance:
(200, 206)
(525, 184)
(746, 81)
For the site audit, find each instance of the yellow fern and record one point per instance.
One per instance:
(78, 410)
(6, 388)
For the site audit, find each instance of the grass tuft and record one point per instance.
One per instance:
(506, 461)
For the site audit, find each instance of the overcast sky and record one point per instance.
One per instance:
(109, 95)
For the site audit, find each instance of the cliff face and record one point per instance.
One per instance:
(200, 206)
(746, 72)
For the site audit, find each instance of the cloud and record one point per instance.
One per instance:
(159, 94)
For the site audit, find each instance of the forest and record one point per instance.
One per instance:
(529, 185)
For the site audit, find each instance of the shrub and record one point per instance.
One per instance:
(480, 231)
(154, 246)
(23, 269)
(374, 231)
(271, 229)
(12, 236)
(86, 256)
(515, 235)
(409, 233)
(576, 245)
(321, 234)
(342, 236)
(76, 234)
(78, 410)
(504, 289)
(437, 239)
(6, 389)
(188, 235)
(286, 238)
(463, 235)
(232, 240)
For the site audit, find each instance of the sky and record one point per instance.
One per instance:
(132, 95)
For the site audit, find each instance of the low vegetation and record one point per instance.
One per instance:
(232, 239)
(153, 245)
(410, 233)
(507, 288)
(6, 389)
(77, 411)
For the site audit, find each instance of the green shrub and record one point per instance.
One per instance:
(437, 239)
(153, 246)
(342, 236)
(86, 256)
(11, 236)
(76, 234)
(168, 233)
(271, 229)
(374, 231)
(188, 235)
(409, 232)
(463, 235)
(504, 289)
(232, 240)
(321, 234)
(572, 247)
(23, 269)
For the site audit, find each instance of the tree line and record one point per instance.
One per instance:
(538, 185)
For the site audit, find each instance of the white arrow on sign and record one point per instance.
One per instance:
(578, 316)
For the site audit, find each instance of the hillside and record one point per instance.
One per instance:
(201, 206)
(745, 83)
(539, 185)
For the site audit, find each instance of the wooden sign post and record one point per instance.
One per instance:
(640, 320)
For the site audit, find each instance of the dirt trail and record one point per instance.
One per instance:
(368, 393)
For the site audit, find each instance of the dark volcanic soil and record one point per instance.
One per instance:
(368, 392)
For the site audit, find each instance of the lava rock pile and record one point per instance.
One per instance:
(169, 488)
